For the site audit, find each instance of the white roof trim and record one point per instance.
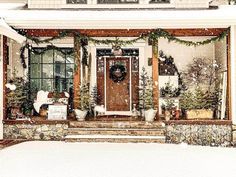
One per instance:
(120, 19)
(6, 30)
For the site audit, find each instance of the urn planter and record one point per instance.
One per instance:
(150, 115)
(80, 114)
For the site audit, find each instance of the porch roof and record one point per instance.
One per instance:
(6, 30)
(120, 19)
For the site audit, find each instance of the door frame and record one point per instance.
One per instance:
(130, 87)
(140, 45)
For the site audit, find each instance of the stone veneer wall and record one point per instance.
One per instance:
(234, 135)
(198, 134)
(56, 131)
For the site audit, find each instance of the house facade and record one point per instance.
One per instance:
(127, 61)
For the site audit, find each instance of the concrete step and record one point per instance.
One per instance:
(116, 124)
(117, 131)
(115, 138)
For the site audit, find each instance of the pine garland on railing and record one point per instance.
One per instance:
(152, 36)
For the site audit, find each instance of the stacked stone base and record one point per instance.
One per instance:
(195, 133)
(36, 132)
(198, 134)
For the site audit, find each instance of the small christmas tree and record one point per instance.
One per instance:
(145, 92)
(84, 97)
(94, 97)
(16, 95)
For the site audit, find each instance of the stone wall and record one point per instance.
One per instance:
(35, 132)
(234, 134)
(213, 135)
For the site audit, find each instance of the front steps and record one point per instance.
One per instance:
(116, 131)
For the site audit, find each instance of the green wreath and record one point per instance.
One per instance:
(117, 73)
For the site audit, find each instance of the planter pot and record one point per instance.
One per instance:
(15, 111)
(150, 115)
(80, 115)
(199, 114)
(167, 115)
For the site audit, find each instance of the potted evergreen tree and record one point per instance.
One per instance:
(202, 97)
(146, 97)
(15, 97)
(84, 101)
(199, 104)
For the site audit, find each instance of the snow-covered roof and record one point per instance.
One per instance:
(116, 19)
(6, 30)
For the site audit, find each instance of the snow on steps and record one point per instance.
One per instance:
(115, 138)
(116, 131)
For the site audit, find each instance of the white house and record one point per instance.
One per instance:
(67, 45)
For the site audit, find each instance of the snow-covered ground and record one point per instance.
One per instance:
(60, 159)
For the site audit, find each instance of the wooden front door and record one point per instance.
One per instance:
(117, 84)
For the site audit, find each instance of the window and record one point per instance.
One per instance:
(118, 1)
(159, 1)
(51, 69)
(76, 1)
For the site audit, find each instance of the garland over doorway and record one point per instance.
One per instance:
(84, 39)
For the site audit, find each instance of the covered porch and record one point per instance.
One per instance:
(125, 72)
(63, 66)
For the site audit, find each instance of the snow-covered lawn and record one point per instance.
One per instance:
(60, 159)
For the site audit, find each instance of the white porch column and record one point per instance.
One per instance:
(1, 86)
(233, 72)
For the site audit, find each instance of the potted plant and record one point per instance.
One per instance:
(84, 103)
(199, 104)
(15, 97)
(146, 97)
(168, 106)
(202, 97)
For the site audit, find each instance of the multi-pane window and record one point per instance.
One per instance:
(76, 1)
(51, 69)
(159, 1)
(118, 1)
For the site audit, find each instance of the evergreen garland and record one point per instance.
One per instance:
(152, 36)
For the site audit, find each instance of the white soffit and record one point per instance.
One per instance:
(6, 30)
(121, 19)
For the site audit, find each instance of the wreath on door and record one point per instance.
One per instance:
(117, 73)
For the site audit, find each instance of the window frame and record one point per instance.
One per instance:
(53, 63)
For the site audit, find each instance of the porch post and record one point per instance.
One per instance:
(155, 76)
(233, 73)
(2, 110)
(77, 73)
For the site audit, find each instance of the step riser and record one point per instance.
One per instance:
(124, 125)
(117, 132)
(110, 140)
